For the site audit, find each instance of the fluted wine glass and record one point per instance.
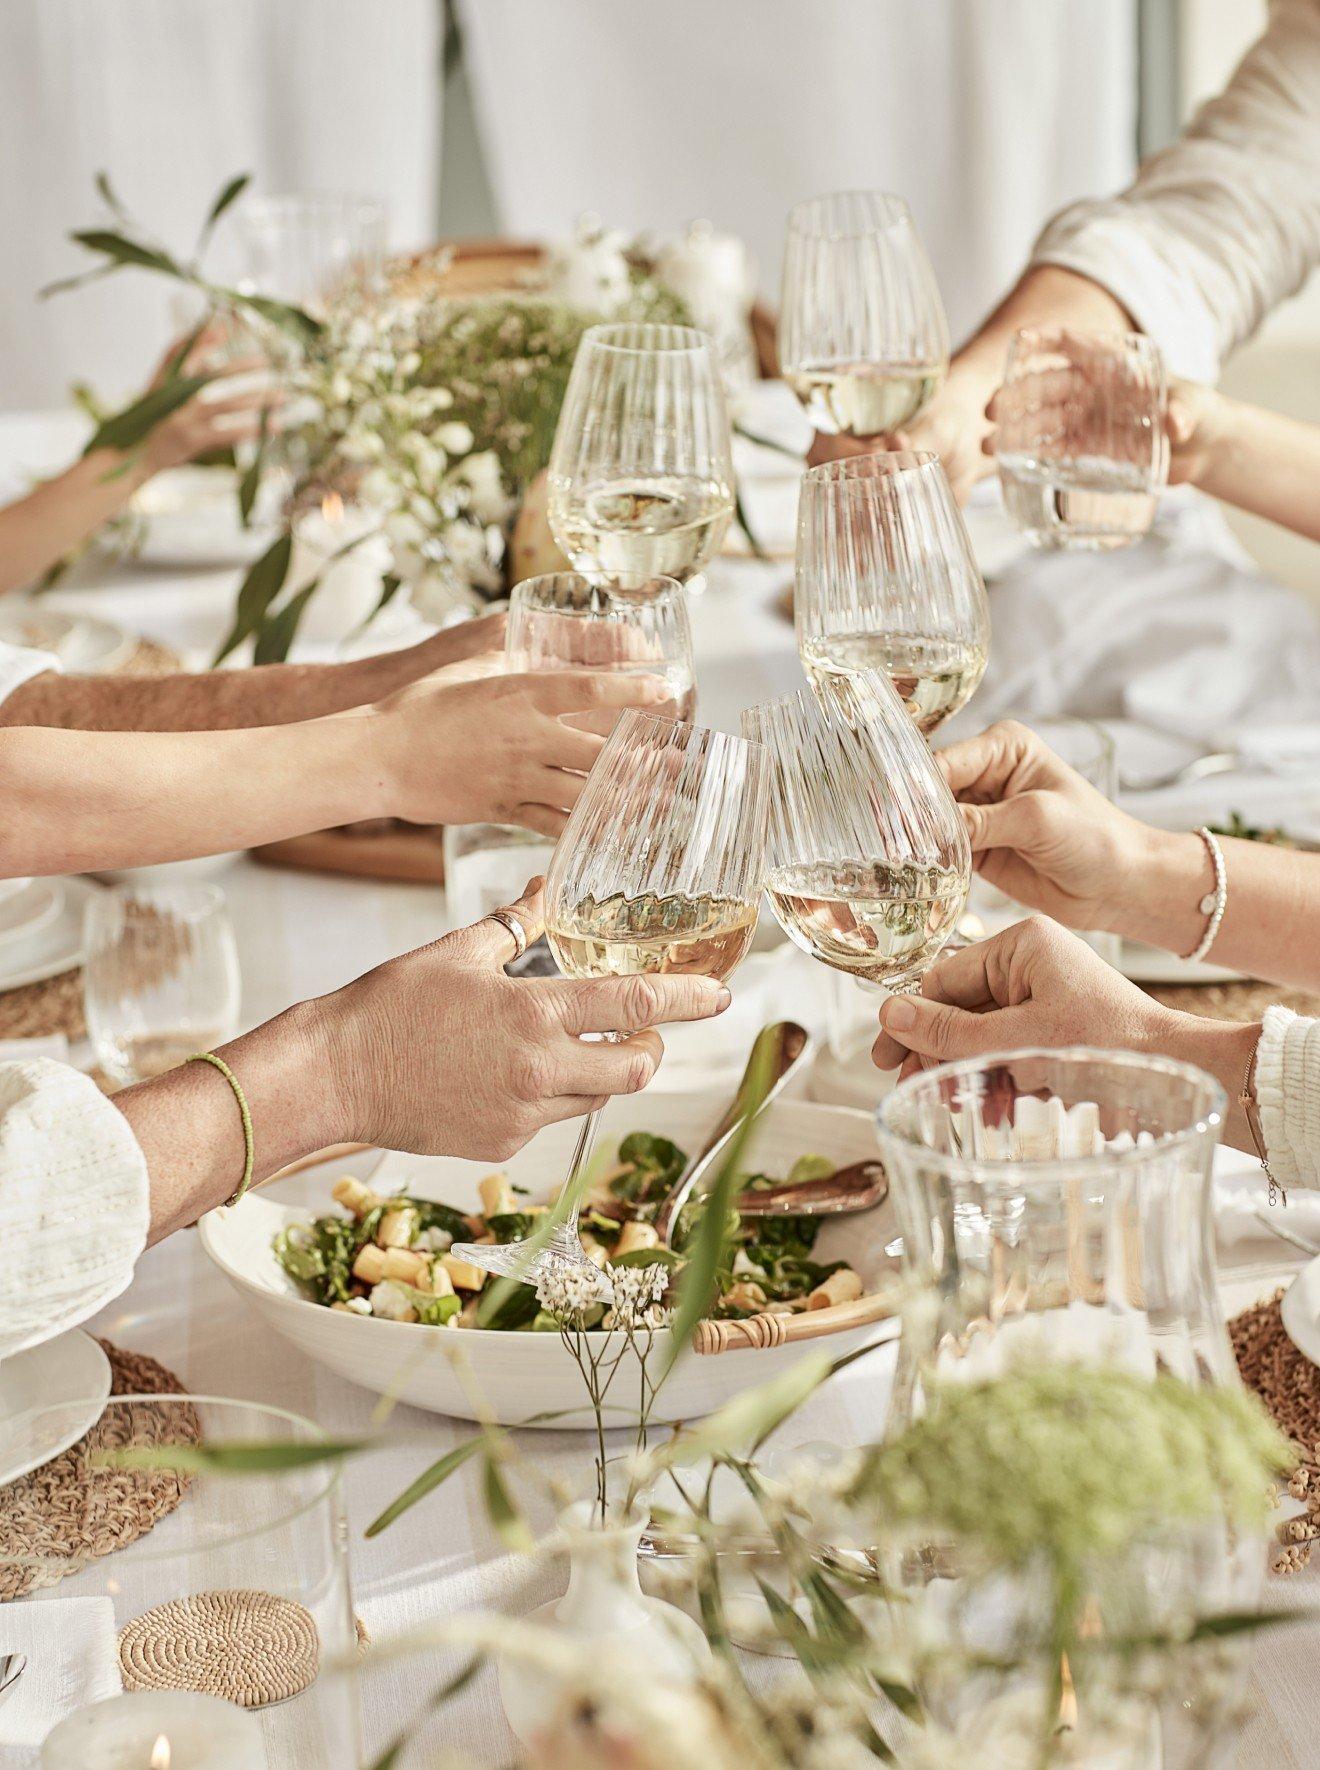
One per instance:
(869, 862)
(659, 870)
(886, 580)
(863, 341)
(634, 624)
(641, 472)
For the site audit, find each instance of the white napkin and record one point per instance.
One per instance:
(72, 1659)
(1239, 1207)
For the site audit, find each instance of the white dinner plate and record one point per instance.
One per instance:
(84, 644)
(1147, 964)
(70, 1376)
(25, 913)
(525, 1378)
(57, 947)
(1300, 1311)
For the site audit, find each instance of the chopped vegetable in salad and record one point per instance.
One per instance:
(389, 1257)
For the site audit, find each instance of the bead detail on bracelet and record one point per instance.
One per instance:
(248, 1149)
(1215, 902)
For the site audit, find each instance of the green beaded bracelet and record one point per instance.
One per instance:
(220, 1064)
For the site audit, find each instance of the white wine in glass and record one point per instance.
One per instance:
(863, 341)
(874, 921)
(933, 677)
(641, 472)
(618, 936)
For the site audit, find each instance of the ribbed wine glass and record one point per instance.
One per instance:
(863, 341)
(1080, 436)
(569, 621)
(641, 472)
(659, 870)
(869, 862)
(886, 580)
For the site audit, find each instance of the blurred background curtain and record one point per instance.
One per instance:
(987, 115)
(171, 97)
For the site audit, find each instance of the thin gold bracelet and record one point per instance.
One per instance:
(1251, 1112)
(248, 1152)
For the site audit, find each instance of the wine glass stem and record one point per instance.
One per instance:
(577, 1174)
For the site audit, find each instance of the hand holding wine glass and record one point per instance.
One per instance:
(634, 625)
(658, 872)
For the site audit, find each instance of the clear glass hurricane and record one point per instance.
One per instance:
(1080, 436)
(869, 863)
(886, 580)
(1056, 1208)
(659, 870)
(641, 472)
(569, 621)
(863, 341)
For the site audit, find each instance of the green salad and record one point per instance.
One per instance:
(390, 1257)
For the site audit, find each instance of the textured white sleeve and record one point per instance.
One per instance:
(1288, 1094)
(19, 663)
(1224, 224)
(73, 1201)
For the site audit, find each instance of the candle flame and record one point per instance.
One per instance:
(160, 1753)
(1067, 1698)
(332, 507)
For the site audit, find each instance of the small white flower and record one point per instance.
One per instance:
(488, 500)
(568, 1292)
(637, 1294)
(454, 437)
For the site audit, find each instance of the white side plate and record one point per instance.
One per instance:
(66, 1381)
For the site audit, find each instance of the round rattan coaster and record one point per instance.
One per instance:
(35, 1010)
(72, 1510)
(251, 1648)
(1289, 1385)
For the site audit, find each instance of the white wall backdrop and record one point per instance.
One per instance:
(986, 114)
(171, 97)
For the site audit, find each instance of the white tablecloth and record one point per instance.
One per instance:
(299, 934)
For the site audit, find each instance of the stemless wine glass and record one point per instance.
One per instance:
(641, 472)
(637, 625)
(863, 341)
(869, 862)
(1080, 440)
(304, 245)
(659, 870)
(160, 977)
(886, 580)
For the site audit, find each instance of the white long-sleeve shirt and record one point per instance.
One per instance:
(73, 1201)
(1288, 1095)
(1224, 224)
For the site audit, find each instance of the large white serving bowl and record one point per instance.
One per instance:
(521, 1379)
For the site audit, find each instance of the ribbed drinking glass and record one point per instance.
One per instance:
(886, 580)
(641, 472)
(637, 625)
(863, 341)
(659, 870)
(869, 863)
(1080, 438)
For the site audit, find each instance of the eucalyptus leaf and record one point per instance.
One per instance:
(510, 1525)
(126, 429)
(250, 484)
(123, 251)
(278, 631)
(427, 1482)
(259, 589)
(749, 1416)
(105, 190)
(230, 194)
(237, 1457)
(283, 315)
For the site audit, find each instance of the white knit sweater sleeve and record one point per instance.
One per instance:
(1288, 1094)
(1222, 225)
(73, 1201)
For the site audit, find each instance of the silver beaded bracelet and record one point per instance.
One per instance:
(1215, 902)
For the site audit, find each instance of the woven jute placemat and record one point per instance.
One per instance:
(1243, 1000)
(35, 1010)
(248, 1647)
(1289, 1385)
(73, 1509)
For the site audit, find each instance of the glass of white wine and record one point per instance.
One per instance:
(659, 870)
(863, 341)
(1080, 436)
(869, 863)
(641, 472)
(160, 977)
(634, 624)
(886, 580)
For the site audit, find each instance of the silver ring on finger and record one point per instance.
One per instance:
(510, 922)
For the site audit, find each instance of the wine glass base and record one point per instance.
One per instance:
(559, 1258)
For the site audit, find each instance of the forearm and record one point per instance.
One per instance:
(78, 801)
(1271, 925)
(60, 514)
(1045, 295)
(188, 1126)
(1223, 1049)
(1265, 463)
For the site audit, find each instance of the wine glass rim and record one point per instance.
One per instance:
(647, 338)
(663, 588)
(187, 900)
(894, 1141)
(632, 718)
(169, 1551)
(1128, 338)
(875, 465)
(806, 218)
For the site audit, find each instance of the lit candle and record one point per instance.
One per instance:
(350, 586)
(156, 1730)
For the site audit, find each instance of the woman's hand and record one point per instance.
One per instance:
(952, 426)
(1195, 423)
(439, 1052)
(1053, 842)
(498, 749)
(217, 416)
